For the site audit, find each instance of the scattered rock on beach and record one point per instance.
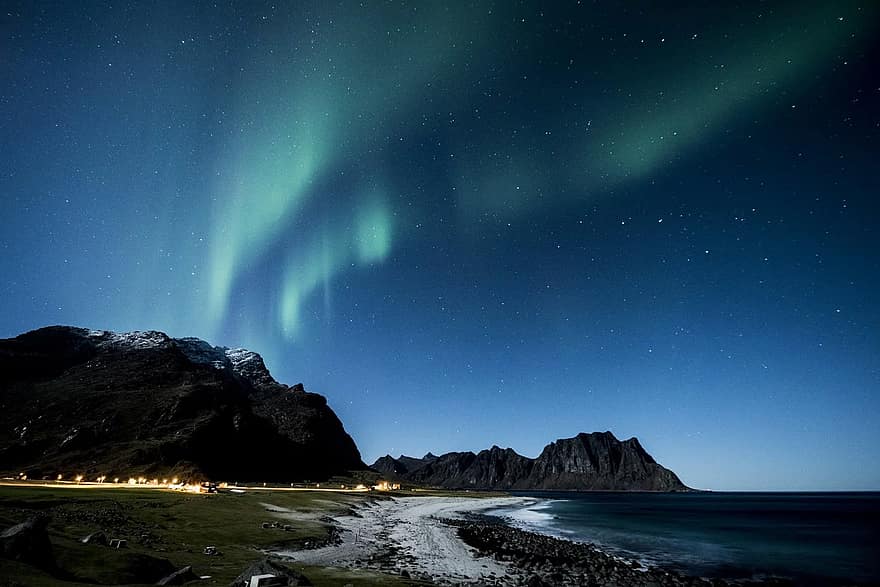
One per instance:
(550, 561)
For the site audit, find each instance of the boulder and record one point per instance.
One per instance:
(95, 538)
(28, 542)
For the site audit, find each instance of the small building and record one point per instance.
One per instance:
(386, 486)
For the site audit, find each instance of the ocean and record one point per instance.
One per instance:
(811, 538)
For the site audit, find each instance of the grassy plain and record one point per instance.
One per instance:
(175, 526)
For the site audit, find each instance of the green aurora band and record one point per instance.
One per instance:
(348, 89)
(325, 114)
(657, 121)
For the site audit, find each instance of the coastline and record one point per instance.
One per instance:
(411, 537)
(453, 541)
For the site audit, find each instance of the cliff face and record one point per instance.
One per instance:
(596, 461)
(77, 401)
(599, 461)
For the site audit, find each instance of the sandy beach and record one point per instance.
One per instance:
(436, 540)
(406, 536)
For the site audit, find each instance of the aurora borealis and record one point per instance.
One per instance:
(474, 223)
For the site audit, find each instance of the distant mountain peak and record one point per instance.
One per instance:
(250, 365)
(588, 461)
(243, 362)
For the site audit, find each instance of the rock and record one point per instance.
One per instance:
(29, 543)
(179, 577)
(563, 563)
(95, 538)
(268, 567)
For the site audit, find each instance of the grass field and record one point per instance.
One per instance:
(174, 526)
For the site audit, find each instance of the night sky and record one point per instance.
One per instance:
(474, 223)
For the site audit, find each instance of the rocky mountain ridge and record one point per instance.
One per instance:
(596, 461)
(94, 402)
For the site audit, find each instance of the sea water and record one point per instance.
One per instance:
(811, 538)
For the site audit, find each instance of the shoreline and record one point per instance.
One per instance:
(452, 541)
(408, 536)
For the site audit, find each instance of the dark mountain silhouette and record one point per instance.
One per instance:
(78, 401)
(596, 461)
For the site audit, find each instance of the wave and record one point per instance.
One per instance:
(811, 540)
(534, 516)
(683, 554)
(538, 517)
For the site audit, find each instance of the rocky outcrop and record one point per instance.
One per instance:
(596, 461)
(28, 542)
(98, 403)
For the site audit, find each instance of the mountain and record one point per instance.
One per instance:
(400, 467)
(596, 461)
(93, 402)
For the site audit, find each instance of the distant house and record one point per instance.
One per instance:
(386, 486)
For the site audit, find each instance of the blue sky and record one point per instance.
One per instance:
(478, 224)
